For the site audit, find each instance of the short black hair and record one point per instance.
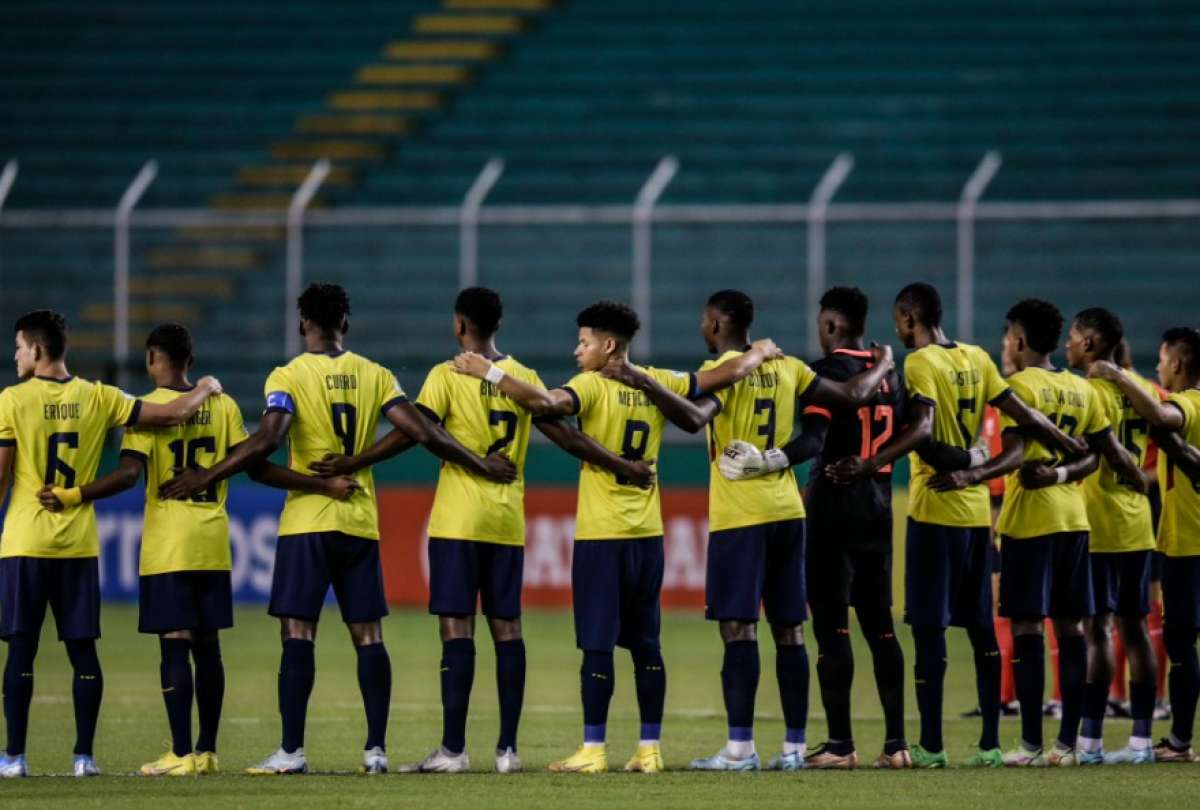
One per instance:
(734, 305)
(1186, 341)
(851, 303)
(1105, 323)
(482, 307)
(923, 302)
(46, 328)
(1041, 321)
(174, 340)
(612, 317)
(326, 305)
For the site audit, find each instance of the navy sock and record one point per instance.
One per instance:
(1183, 681)
(596, 680)
(1142, 695)
(987, 683)
(650, 680)
(510, 687)
(458, 675)
(210, 691)
(1095, 705)
(375, 684)
(1029, 675)
(791, 670)
(739, 683)
(297, 671)
(86, 692)
(929, 677)
(1072, 677)
(835, 673)
(18, 690)
(175, 676)
(888, 660)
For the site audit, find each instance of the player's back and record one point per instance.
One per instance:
(191, 534)
(483, 420)
(335, 401)
(58, 428)
(1179, 527)
(1118, 515)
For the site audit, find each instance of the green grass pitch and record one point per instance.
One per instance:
(133, 730)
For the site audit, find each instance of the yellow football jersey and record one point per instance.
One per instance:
(484, 420)
(1072, 404)
(759, 409)
(1119, 517)
(957, 380)
(335, 402)
(625, 421)
(58, 428)
(191, 535)
(1179, 526)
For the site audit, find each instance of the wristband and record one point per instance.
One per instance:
(775, 459)
(494, 374)
(68, 497)
(1061, 474)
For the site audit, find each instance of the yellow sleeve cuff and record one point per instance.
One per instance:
(69, 497)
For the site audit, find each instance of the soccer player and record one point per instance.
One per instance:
(477, 527)
(184, 588)
(52, 431)
(1120, 544)
(756, 527)
(948, 569)
(1043, 526)
(1175, 425)
(328, 400)
(617, 566)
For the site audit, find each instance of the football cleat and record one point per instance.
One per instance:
(926, 759)
(507, 761)
(1097, 757)
(1129, 756)
(13, 767)
(1052, 708)
(207, 763)
(588, 759)
(898, 761)
(1165, 752)
(85, 765)
(1162, 710)
(989, 758)
(170, 765)
(439, 761)
(723, 761)
(1061, 756)
(647, 759)
(281, 762)
(825, 759)
(787, 762)
(1023, 757)
(374, 761)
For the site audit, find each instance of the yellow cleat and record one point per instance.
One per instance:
(647, 759)
(588, 759)
(170, 765)
(207, 763)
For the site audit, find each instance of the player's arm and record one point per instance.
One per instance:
(7, 453)
(689, 415)
(585, 448)
(1037, 426)
(1122, 462)
(338, 487)
(272, 430)
(1184, 456)
(125, 476)
(741, 460)
(914, 434)
(859, 388)
(1039, 474)
(533, 398)
(1009, 458)
(178, 410)
(390, 445)
(405, 417)
(739, 367)
(1158, 414)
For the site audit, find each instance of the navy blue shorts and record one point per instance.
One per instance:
(185, 600)
(948, 575)
(71, 587)
(846, 575)
(306, 565)
(615, 587)
(463, 572)
(1181, 591)
(1048, 576)
(757, 565)
(1121, 582)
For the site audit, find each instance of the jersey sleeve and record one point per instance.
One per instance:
(719, 396)
(137, 443)
(919, 376)
(434, 397)
(279, 393)
(119, 408)
(235, 425)
(805, 376)
(995, 388)
(8, 423)
(681, 383)
(830, 370)
(584, 390)
(1186, 408)
(389, 391)
(1098, 418)
(1021, 390)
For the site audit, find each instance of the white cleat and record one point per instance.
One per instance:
(85, 766)
(440, 761)
(13, 767)
(281, 762)
(507, 761)
(374, 761)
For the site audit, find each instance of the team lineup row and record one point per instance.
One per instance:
(1074, 525)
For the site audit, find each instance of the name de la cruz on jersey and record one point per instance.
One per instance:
(1056, 396)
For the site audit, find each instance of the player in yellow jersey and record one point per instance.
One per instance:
(756, 544)
(1121, 544)
(52, 432)
(330, 400)
(1044, 528)
(185, 595)
(948, 548)
(617, 566)
(477, 527)
(1175, 425)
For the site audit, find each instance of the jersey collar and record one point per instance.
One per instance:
(330, 354)
(854, 352)
(65, 379)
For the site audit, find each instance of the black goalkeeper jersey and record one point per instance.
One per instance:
(860, 514)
